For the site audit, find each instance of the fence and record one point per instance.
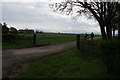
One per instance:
(81, 40)
(39, 39)
(42, 39)
(16, 39)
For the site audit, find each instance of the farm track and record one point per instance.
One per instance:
(13, 60)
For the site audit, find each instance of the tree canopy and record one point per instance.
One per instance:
(104, 12)
(5, 29)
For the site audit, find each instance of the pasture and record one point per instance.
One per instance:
(26, 40)
(10, 41)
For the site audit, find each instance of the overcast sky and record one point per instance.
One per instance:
(37, 15)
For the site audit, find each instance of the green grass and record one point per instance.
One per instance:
(69, 64)
(42, 39)
(55, 38)
(98, 35)
(20, 41)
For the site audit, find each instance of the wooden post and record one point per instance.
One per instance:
(78, 41)
(34, 39)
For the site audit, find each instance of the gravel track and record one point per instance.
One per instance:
(13, 60)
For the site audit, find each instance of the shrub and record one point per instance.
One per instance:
(111, 56)
(108, 51)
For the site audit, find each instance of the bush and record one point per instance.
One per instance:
(108, 51)
(111, 56)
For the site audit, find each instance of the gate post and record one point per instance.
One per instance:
(78, 41)
(34, 39)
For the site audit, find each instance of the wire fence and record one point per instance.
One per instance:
(15, 39)
(39, 39)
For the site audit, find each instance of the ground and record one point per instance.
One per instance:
(16, 59)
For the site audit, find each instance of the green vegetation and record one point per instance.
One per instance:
(98, 35)
(106, 50)
(55, 38)
(93, 60)
(69, 64)
(16, 41)
(111, 56)
(26, 40)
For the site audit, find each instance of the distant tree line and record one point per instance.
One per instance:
(6, 30)
(37, 31)
(13, 30)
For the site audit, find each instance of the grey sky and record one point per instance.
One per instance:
(38, 15)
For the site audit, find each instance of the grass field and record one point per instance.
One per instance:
(41, 39)
(69, 64)
(55, 38)
(26, 40)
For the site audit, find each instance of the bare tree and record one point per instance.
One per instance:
(116, 22)
(101, 10)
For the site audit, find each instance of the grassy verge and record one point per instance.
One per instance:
(69, 64)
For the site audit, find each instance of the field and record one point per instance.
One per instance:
(26, 40)
(69, 64)
(55, 38)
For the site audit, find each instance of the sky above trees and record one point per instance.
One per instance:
(36, 14)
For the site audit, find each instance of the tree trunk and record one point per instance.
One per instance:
(113, 32)
(102, 27)
(109, 32)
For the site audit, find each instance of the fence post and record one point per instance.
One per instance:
(78, 41)
(34, 38)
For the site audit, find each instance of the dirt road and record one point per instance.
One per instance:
(14, 59)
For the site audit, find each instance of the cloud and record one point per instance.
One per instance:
(0, 12)
(38, 15)
(25, 0)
